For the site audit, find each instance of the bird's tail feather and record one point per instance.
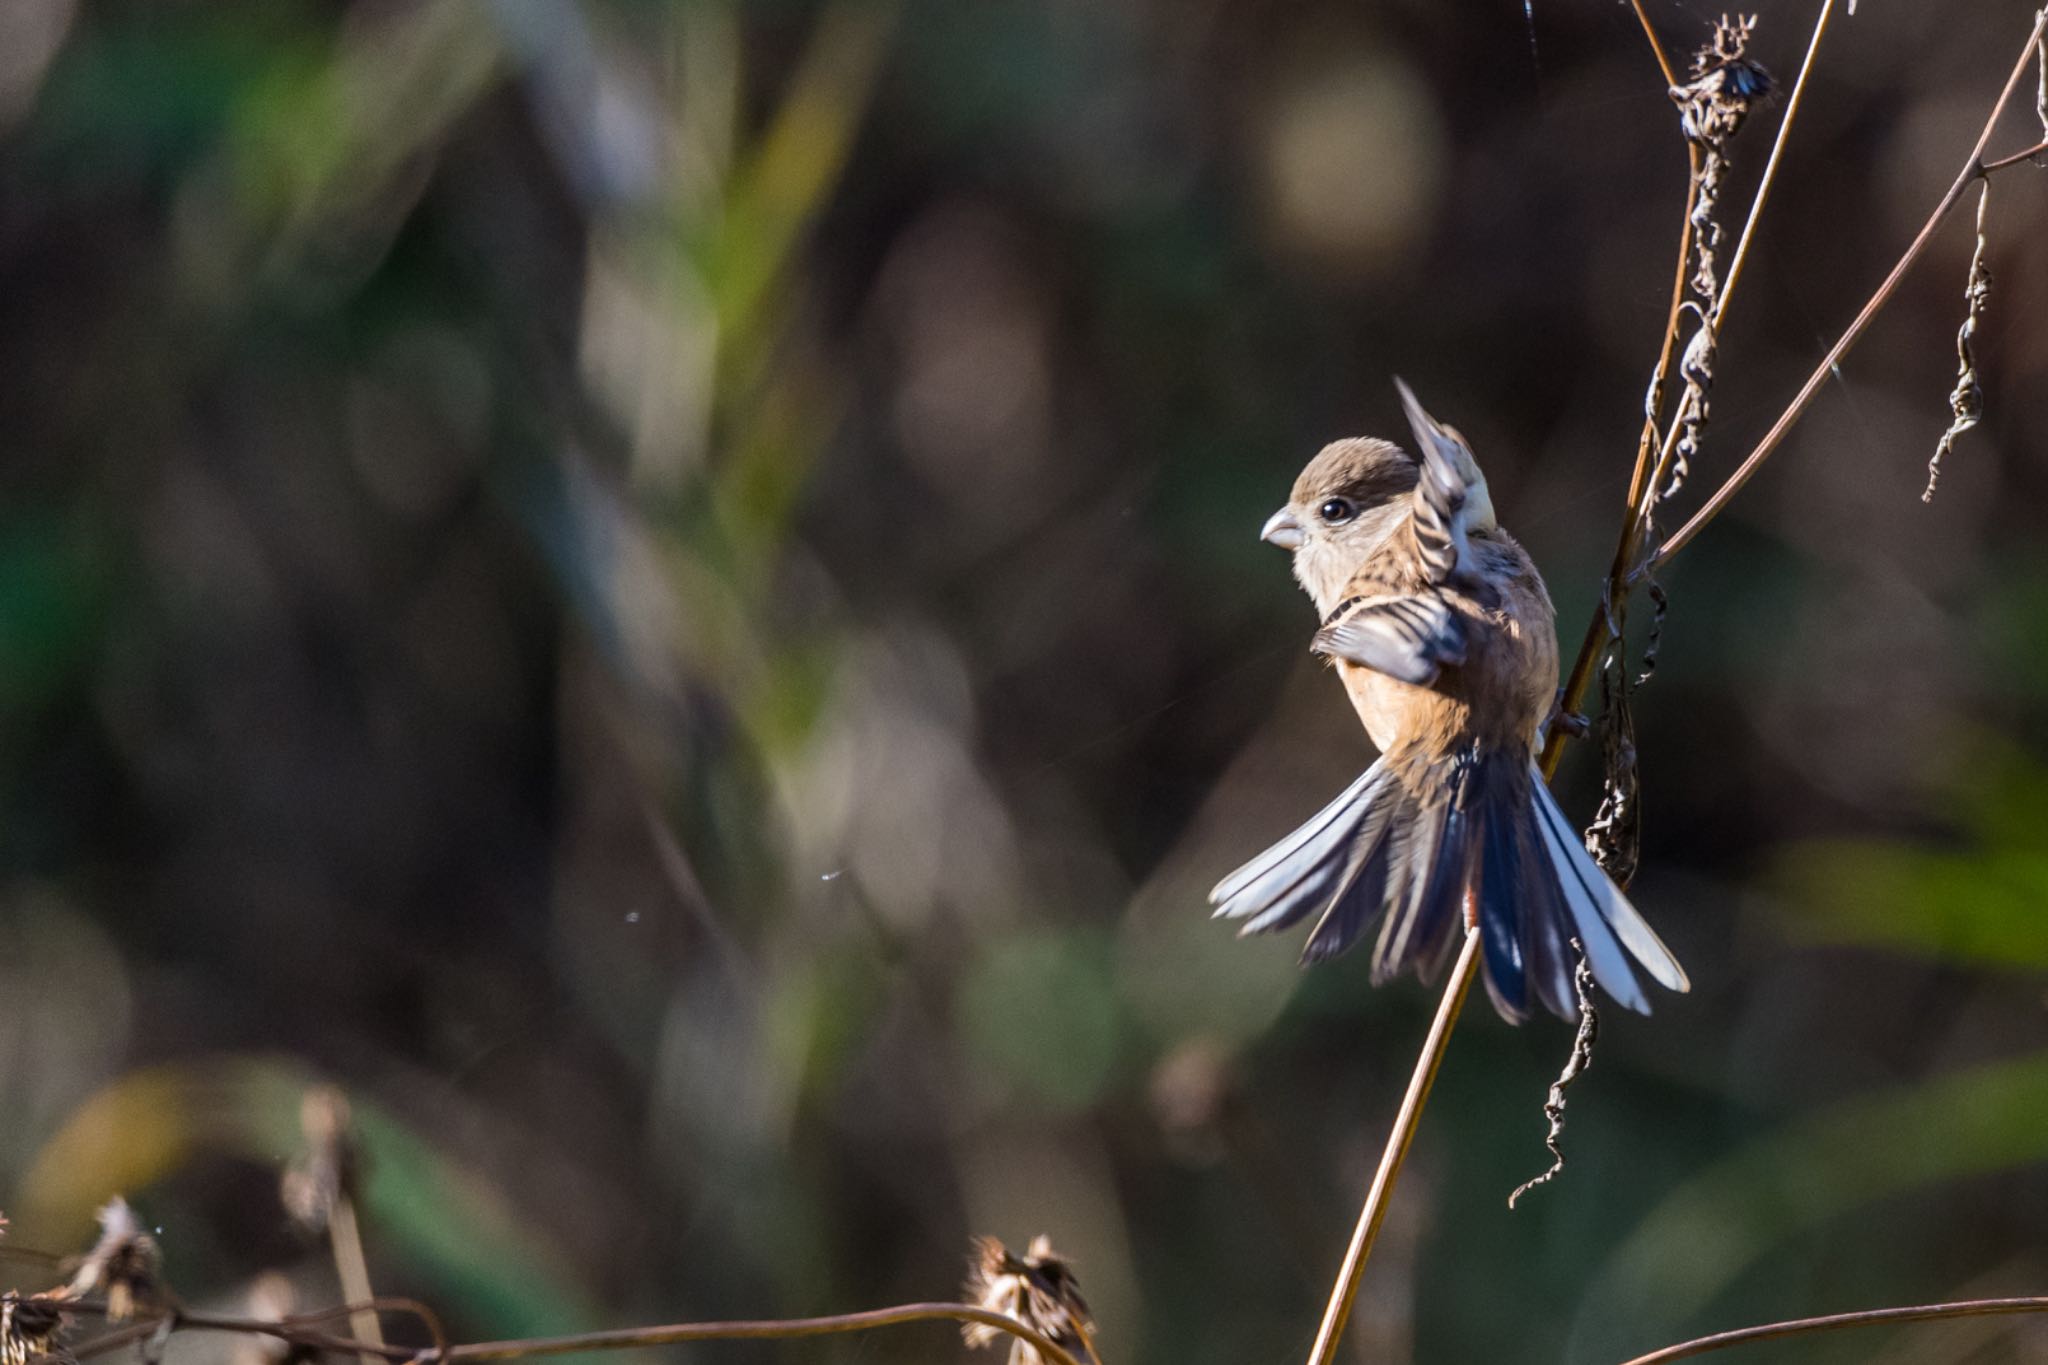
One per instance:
(1411, 855)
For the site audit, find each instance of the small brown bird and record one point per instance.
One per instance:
(1440, 627)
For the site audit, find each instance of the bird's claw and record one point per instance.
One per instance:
(1568, 722)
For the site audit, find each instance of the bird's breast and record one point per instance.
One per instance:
(1390, 709)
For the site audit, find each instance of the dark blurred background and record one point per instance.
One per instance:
(667, 593)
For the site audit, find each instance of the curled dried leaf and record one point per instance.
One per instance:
(1966, 401)
(1574, 1067)
(1615, 836)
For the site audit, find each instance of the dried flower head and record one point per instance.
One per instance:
(29, 1326)
(325, 1171)
(1038, 1289)
(123, 1264)
(1725, 84)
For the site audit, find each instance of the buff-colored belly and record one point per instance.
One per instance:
(1396, 713)
(1385, 705)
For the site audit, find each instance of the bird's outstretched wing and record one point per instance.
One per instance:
(1451, 498)
(1410, 638)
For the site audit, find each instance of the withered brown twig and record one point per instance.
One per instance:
(1834, 1322)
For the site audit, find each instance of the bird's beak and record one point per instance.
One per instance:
(1283, 530)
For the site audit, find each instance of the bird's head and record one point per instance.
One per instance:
(1344, 505)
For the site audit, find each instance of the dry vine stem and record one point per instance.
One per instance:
(1627, 570)
(1835, 1322)
(289, 1330)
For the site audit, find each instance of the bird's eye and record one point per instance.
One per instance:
(1337, 511)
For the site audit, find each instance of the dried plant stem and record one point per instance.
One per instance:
(757, 1331)
(1653, 399)
(284, 1329)
(1656, 44)
(1970, 1308)
(1973, 169)
(352, 1267)
(1770, 175)
(1463, 973)
(2038, 149)
(1345, 1293)
(1374, 1212)
(1645, 498)
(293, 1330)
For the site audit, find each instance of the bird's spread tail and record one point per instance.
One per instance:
(1408, 848)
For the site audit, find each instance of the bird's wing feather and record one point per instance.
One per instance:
(1451, 497)
(1405, 637)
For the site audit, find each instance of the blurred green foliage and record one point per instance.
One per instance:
(1978, 902)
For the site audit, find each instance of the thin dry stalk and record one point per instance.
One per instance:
(1657, 45)
(353, 1269)
(1834, 1322)
(319, 1190)
(1338, 1311)
(167, 1324)
(1770, 175)
(291, 1330)
(756, 1331)
(1653, 398)
(1706, 135)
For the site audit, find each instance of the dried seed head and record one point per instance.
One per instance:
(1725, 84)
(1038, 1289)
(29, 1326)
(123, 1265)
